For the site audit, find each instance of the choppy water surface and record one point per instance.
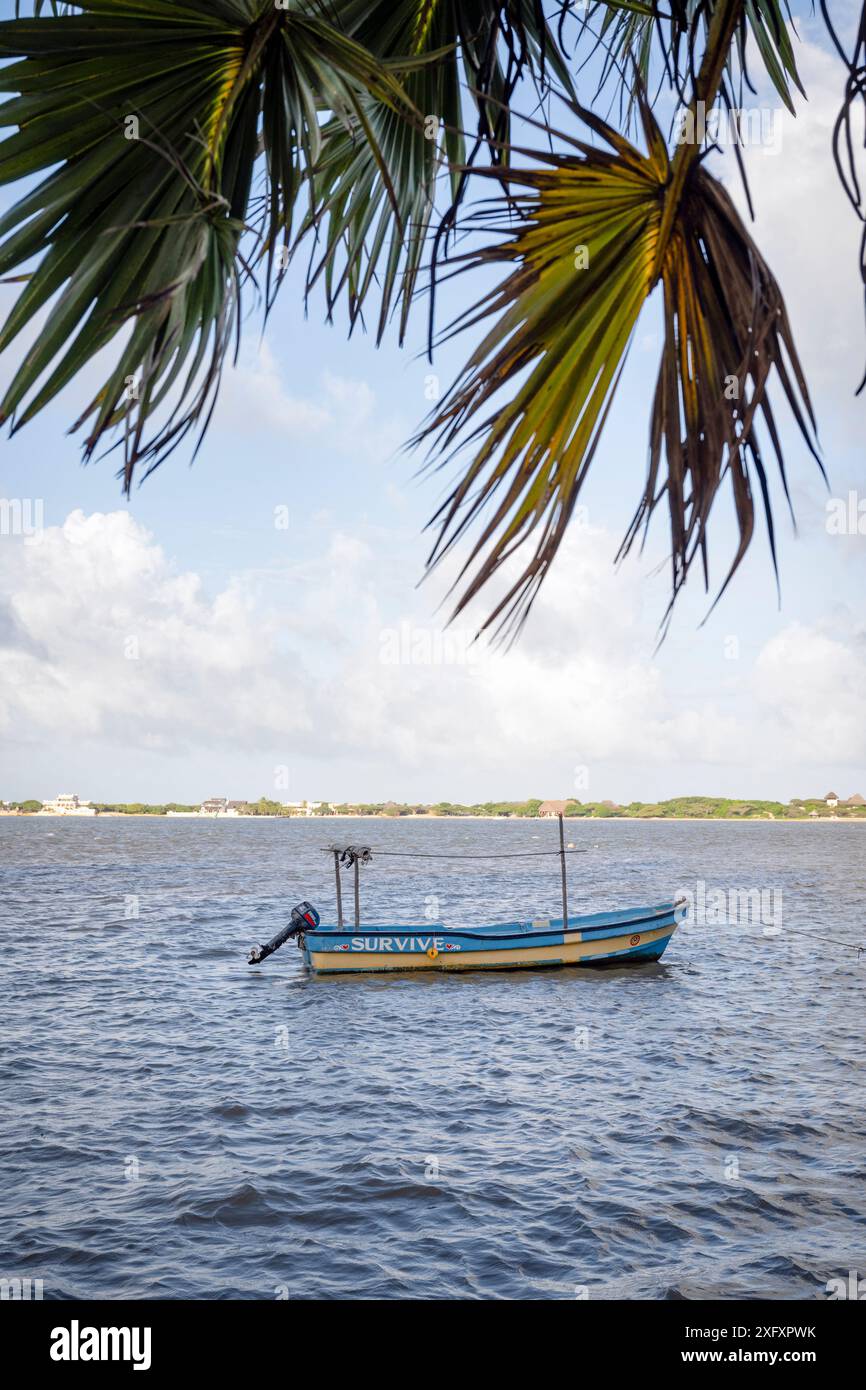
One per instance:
(176, 1124)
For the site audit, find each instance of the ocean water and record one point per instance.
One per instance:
(175, 1124)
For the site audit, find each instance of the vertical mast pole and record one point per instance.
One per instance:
(339, 889)
(562, 866)
(357, 895)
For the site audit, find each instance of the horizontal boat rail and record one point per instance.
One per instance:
(367, 852)
(353, 856)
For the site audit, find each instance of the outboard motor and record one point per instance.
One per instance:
(303, 918)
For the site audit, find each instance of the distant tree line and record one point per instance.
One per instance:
(140, 808)
(676, 808)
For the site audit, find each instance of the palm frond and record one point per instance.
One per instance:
(629, 32)
(447, 52)
(844, 139)
(144, 119)
(598, 231)
(364, 231)
(726, 330)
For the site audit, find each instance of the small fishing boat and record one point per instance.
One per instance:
(630, 935)
(635, 934)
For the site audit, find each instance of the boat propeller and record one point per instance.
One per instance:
(303, 917)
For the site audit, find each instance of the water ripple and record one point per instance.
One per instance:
(177, 1125)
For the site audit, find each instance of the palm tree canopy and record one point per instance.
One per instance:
(177, 153)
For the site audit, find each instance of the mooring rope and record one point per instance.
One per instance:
(813, 936)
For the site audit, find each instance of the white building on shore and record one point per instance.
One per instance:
(66, 806)
(219, 806)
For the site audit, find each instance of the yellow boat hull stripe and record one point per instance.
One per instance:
(571, 952)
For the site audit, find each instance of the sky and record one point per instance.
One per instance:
(254, 623)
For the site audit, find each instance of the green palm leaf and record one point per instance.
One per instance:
(629, 31)
(597, 231)
(371, 234)
(145, 120)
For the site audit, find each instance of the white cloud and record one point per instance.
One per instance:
(256, 398)
(253, 398)
(105, 639)
(813, 680)
(344, 673)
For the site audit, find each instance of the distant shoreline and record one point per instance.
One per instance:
(728, 809)
(536, 820)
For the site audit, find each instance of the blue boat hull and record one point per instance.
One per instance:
(632, 935)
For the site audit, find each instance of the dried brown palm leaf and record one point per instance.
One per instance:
(843, 134)
(726, 328)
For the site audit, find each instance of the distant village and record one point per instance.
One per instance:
(72, 805)
(828, 807)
